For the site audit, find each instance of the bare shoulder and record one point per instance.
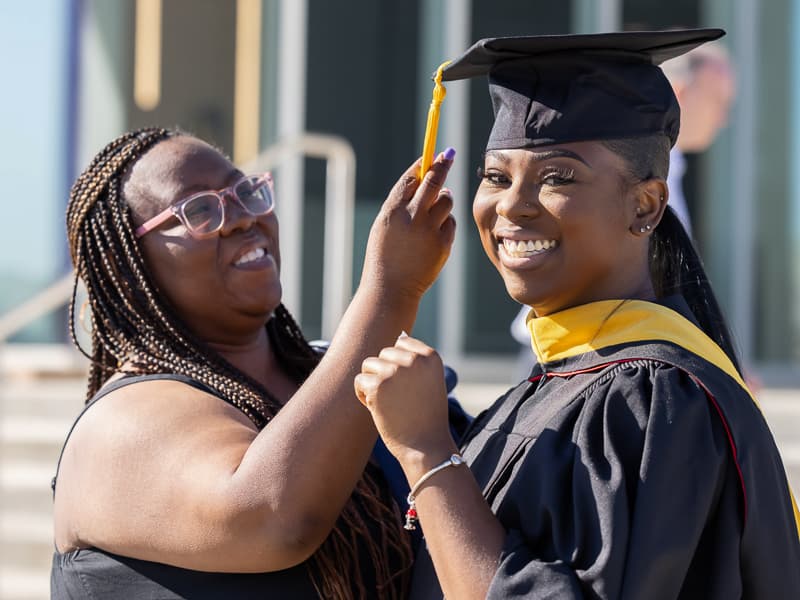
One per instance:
(147, 414)
(135, 449)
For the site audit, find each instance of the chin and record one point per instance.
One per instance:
(526, 299)
(261, 308)
(273, 296)
(520, 291)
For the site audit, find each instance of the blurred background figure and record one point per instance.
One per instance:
(705, 84)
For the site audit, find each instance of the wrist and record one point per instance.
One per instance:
(415, 463)
(401, 302)
(453, 461)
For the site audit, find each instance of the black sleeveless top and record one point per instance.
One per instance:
(95, 573)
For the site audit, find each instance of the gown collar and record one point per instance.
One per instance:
(591, 327)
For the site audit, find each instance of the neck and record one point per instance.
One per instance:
(256, 358)
(640, 289)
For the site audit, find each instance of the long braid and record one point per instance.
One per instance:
(131, 324)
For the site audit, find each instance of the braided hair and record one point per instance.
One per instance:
(675, 265)
(131, 324)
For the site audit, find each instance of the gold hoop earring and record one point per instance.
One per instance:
(82, 317)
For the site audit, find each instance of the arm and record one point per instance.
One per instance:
(408, 245)
(403, 389)
(631, 484)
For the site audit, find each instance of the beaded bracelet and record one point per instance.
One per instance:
(411, 513)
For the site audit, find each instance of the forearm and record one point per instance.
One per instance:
(463, 537)
(306, 462)
(404, 391)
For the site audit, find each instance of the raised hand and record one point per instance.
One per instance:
(411, 237)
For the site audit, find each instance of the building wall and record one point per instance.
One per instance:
(365, 76)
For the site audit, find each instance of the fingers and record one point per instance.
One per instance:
(365, 384)
(413, 346)
(428, 191)
(420, 197)
(377, 369)
(448, 230)
(403, 190)
(442, 207)
(397, 356)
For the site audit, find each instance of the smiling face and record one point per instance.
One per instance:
(561, 225)
(224, 287)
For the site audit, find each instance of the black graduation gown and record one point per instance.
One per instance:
(633, 464)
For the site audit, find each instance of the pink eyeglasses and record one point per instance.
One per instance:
(203, 213)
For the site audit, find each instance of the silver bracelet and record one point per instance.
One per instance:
(411, 513)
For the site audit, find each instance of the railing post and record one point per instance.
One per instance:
(337, 277)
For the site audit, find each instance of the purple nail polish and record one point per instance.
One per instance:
(449, 153)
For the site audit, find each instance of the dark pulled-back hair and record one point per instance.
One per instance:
(133, 325)
(675, 265)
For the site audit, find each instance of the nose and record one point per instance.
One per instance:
(236, 217)
(519, 202)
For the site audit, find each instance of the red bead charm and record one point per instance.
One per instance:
(411, 518)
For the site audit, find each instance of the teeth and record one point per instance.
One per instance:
(251, 256)
(520, 248)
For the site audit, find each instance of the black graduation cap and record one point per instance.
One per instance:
(551, 89)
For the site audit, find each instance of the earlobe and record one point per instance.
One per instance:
(651, 202)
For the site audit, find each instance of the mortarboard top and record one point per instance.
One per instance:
(551, 89)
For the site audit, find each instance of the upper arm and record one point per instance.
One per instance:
(148, 473)
(614, 498)
(685, 467)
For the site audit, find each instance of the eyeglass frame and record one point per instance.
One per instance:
(176, 208)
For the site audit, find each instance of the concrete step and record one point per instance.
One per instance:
(60, 398)
(32, 438)
(26, 551)
(24, 483)
(41, 360)
(27, 540)
(36, 417)
(24, 584)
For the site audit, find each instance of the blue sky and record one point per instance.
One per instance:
(33, 42)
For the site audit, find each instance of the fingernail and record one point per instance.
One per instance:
(449, 153)
(447, 191)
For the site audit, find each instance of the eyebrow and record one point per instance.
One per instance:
(540, 156)
(233, 176)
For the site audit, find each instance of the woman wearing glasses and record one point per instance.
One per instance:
(219, 456)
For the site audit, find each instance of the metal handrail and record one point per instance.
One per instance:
(338, 255)
(55, 295)
(340, 183)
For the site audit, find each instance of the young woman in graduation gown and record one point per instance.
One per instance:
(633, 462)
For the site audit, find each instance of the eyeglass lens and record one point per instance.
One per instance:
(204, 214)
